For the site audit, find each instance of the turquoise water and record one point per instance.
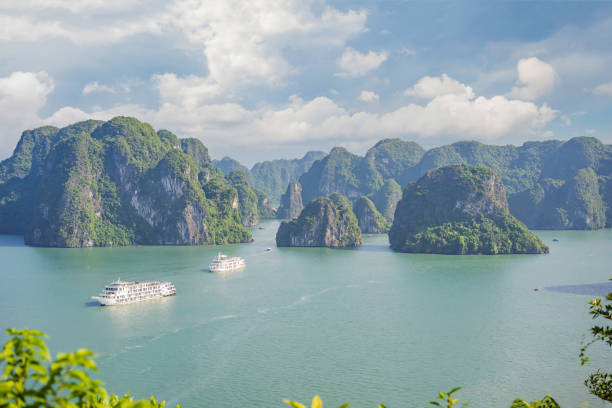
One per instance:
(365, 325)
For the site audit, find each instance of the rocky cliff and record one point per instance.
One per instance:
(291, 202)
(247, 198)
(324, 222)
(545, 181)
(369, 219)
(116, 183)
(387, 197)
(577, 203)
(354, 176)
(263, 206)
(272, 177)
(459, 209)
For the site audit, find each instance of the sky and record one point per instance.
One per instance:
(268, 79)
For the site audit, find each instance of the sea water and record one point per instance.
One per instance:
(366, 325)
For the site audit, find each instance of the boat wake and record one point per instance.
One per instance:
(153, 339)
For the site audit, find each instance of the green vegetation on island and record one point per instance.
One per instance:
(119, 183)
(291, 202)
(324, 222)
(459, 209)
(550, 184)
(272, 176)
(387, 197)
(247, 198)
(370, 220)
(264, 208)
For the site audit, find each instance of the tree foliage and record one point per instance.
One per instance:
(459, 209)
(599, 383)
(445, 399)
(114, 183)
(31, 379)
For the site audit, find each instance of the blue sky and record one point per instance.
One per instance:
(269, 79)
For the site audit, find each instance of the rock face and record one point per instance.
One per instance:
(116, 183)
(291, 202)
(324, 222)
(545, 181)
(263, 206)
(369, 219)
(247, 198)
(271, 177)
(387, 197)
(559, 204)
(343, 172)
(459, 209)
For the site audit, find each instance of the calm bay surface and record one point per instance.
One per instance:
(365, 325)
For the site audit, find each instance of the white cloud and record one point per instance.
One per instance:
(28, 29)
(535, 78)
(430, 87)
(190, 91)
(368, 96)
(243, 42)
(603, 89)
(96, 87)
(323, 121)
(72, 5)
(22, 95)
(354, 64)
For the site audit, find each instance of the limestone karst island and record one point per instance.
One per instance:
(282, 203)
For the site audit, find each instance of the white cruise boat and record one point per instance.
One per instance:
(224, 263)
(120, 292)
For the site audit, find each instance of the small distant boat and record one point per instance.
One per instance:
(555, 240)
(261, 228)
(268, 249)
(121, 293)
(224, 263)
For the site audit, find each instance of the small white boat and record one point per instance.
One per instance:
(224, 263)
(121, 293)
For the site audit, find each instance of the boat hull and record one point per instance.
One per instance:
(221, 270)
(113, 302)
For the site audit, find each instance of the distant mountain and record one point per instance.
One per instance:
(119, 182)
(228, 165)
(459, 209)
(272, 177)
(550, 184)
(355, 176)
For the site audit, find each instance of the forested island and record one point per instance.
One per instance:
(120, 182)
(460, 210)
(550, 184)
(324, 222)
